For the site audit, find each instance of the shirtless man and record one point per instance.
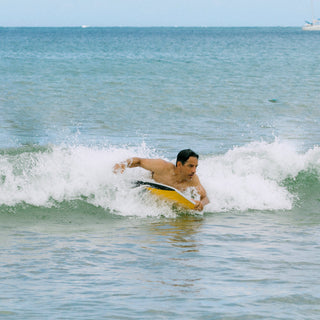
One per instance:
(180, 176)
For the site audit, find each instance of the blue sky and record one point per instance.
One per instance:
(156, 12)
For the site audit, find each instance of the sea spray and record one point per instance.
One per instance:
(253, 176)
(257, 176)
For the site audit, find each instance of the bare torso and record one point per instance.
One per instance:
(169, 177)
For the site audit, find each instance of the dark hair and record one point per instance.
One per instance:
(184, 155)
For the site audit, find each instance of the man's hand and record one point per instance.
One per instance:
(198, 206)
(119, 167)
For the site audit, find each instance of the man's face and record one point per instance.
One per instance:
(189, 168)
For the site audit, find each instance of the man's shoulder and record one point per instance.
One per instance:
(166, 164)
(164, 167)
(156, 164)
(161, 162)
(195, 180)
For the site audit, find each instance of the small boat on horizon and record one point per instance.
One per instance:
(315, 24)
(312, 26)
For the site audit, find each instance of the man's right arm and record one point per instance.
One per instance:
(148, 164)
(129, 163)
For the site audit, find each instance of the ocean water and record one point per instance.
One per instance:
(79, 242)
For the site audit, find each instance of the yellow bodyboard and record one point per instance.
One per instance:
(168, 193)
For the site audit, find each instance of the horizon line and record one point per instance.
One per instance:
(151, 26)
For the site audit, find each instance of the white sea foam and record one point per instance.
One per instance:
(251, 177)
(247, 177)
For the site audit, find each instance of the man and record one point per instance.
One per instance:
(180, 176)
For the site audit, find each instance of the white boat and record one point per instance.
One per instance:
(315, 24)
(312, 26)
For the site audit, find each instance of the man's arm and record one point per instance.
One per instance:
(129, 163)
(204, 200)
(148, 164)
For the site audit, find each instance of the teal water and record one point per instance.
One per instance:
(77, 241)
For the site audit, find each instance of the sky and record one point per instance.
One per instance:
(142, 13)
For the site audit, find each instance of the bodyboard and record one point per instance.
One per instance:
(168, 193)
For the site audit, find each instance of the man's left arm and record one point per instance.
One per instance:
(204, 200)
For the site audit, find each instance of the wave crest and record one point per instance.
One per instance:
(257, 176)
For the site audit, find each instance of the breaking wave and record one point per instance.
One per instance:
(257, 176)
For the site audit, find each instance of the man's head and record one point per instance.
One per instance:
(187, 163)
(184, 155)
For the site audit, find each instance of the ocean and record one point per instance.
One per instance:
(79, 242)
